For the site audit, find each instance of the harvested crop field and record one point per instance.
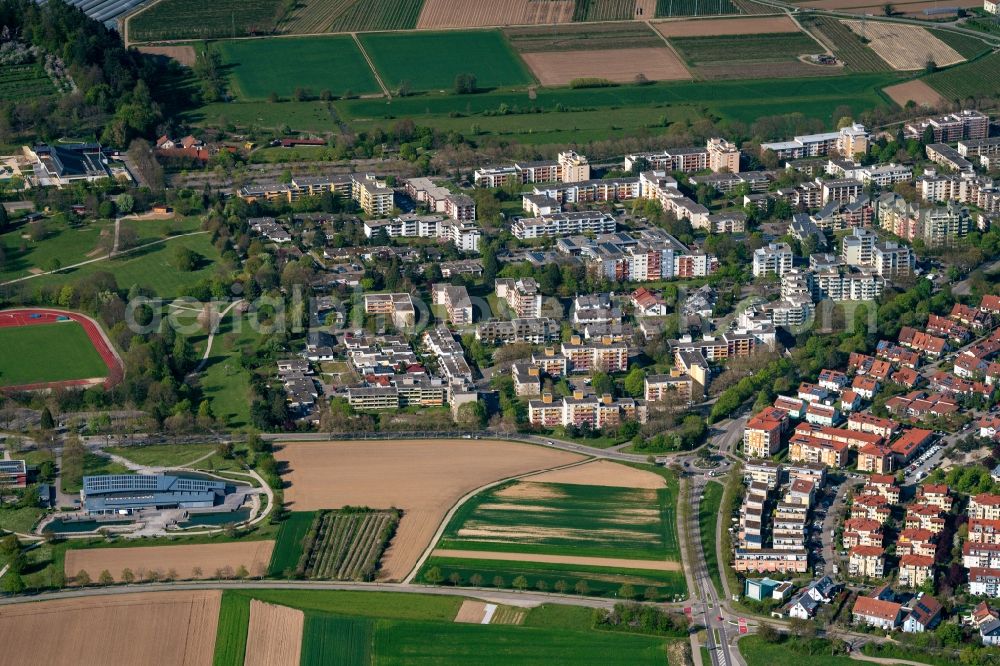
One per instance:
(484, 13)
(915, 90)
(423, 478)
(211, 558)
(581, 36)
(148, 628)
(620, 65)
(274, 637)
(183, 54)
(905, 47)
(602, 473)
(609, 562)
(726, 26)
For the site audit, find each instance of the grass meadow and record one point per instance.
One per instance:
(708, 518)
(264, 66)
(47, 353)
(432, 60)
(288, 548)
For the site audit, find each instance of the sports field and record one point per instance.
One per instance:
(280, 66)
(432, 60)
(48, 353)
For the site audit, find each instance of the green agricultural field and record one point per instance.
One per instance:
(62, 245)
(708, 519)
(432, 60)
(596, 581)
(264, 66)
(968, 80)
(150, 267)
(744, 48)
(288, 547)
(47, 353)
(331, 639)
(24, 82)
(565, 519)
(370, 15)
(231, 635)
(195, 19)
(668, 8)
(969, 47)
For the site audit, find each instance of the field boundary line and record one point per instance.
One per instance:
(680, 58)
(408, 579)
(371, 65)
(101, 258)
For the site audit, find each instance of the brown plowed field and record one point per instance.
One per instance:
(917, 90)
(183, 54)
(612, 562)
(424, 478)
(479, 13)
(764, 25)
(602, 473)
(116, 630)
(905, 47)
(210, 557)
(274, 637)
(557, 68)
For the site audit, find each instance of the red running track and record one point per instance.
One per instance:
(31, 316)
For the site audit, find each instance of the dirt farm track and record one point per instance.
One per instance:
(175, 628)
(424, 478)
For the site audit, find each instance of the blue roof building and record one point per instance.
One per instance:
(124, 493)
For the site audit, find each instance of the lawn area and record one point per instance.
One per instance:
(599, 581)
(788, 653)
(708, 519)
(264, 66)
(47, 353)
(744, 48)
(151, 267)
(19, 520)
(175, 455)
(224, 381)
(432, 60)
(62, 246)
(288, 548)
(564, 519)
(231, 634)
(151, 230)
(195, 19)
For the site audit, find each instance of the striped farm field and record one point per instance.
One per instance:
(438, 14)
(347, 544)
(970, 80)
(726, 26)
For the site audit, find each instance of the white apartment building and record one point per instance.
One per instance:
(563, 224)
(775, 258)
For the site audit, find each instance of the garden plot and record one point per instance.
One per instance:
(905, 47)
